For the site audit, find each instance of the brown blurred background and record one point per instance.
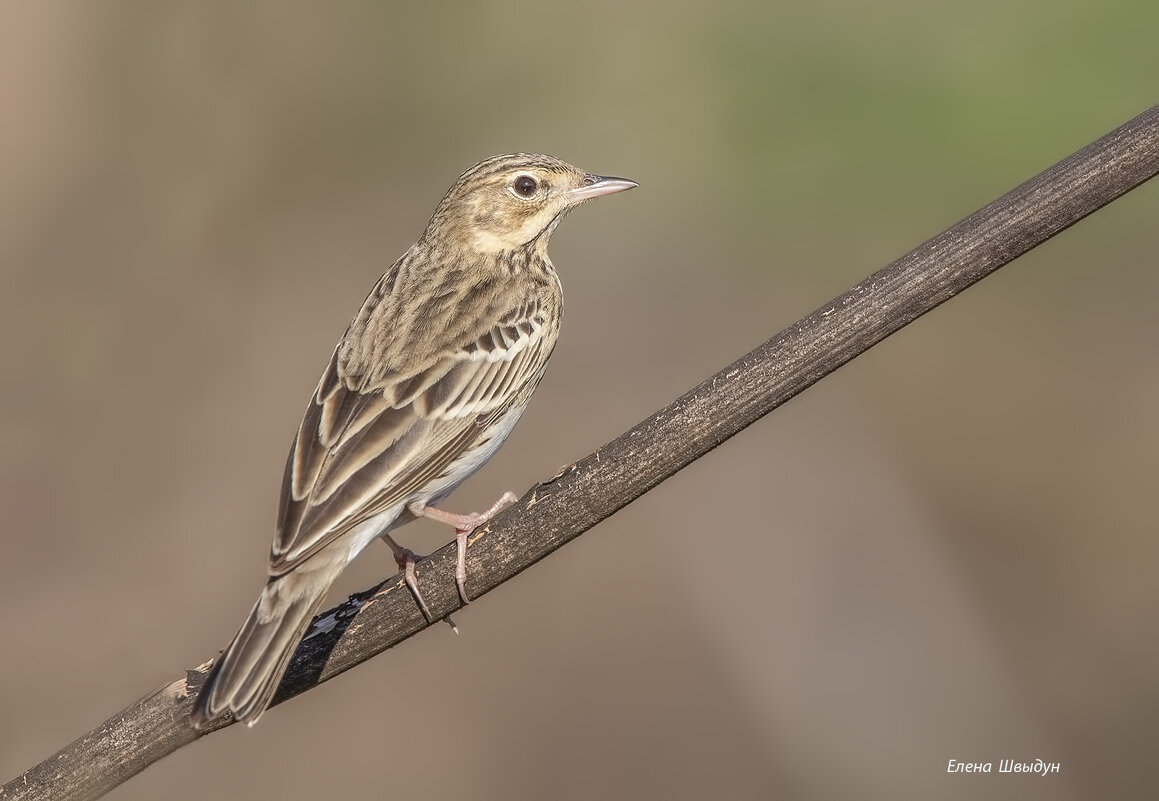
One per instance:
(946, 551)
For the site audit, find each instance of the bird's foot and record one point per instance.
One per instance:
(406, 559)
(463, 525)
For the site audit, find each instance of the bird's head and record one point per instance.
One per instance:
(509, 202)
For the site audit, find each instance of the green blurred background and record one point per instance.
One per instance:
(946, 551)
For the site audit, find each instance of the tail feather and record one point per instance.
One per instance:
(245, 677)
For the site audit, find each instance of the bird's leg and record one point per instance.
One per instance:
(405, 558)
(463, 525)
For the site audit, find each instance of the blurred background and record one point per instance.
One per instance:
(945, 551)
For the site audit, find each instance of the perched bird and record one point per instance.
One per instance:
(425, 385)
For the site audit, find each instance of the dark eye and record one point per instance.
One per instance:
(525, 186)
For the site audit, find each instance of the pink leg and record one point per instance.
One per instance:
(405, 558)
(463, 525)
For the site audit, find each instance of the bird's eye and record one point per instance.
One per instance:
(525, 186)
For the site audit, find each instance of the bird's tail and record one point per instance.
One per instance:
(244, 678)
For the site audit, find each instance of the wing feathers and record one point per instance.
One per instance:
(362, 449)
(359, 449)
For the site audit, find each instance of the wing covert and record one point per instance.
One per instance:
(364, 447)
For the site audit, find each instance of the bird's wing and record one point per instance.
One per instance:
(365, 447)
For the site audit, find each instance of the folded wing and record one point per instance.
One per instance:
(364, 447)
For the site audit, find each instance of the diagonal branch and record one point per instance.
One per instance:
(560, 509)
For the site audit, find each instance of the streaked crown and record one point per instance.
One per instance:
(512, 201)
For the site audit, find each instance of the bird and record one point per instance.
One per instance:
(426, 383)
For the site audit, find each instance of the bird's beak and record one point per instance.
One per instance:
(596, 185)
